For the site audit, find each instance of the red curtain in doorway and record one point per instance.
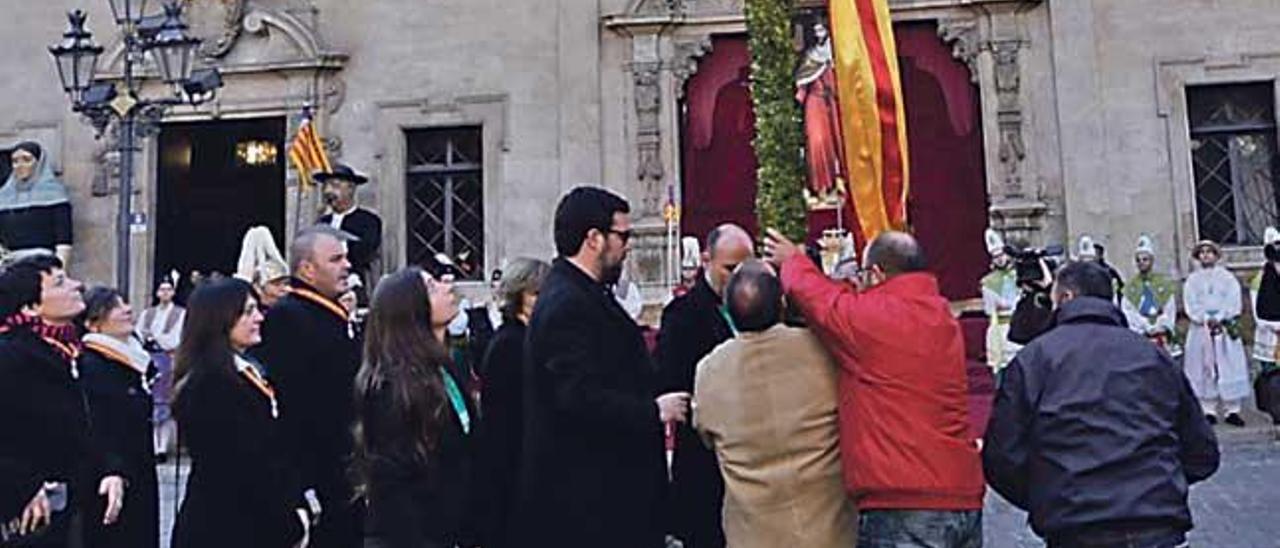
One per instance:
(719, 164)
(947, 207)
(948, 201)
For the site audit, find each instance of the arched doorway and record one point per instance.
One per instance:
(948, 198)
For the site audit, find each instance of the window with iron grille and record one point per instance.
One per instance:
(1233, 154)
(445, 197)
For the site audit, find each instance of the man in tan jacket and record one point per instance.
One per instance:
(765, 402)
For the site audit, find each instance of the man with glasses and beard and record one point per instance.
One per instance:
(593, 470)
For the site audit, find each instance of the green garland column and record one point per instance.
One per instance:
(779, 139)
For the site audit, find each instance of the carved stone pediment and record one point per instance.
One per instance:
(216, 22)
(655, 7)
(641, 8)
(245, 38)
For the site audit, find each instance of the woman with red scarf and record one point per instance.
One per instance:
(50, 472)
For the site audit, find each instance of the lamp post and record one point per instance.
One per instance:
(159, 40)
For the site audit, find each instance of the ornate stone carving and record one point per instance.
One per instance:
(333, 93)
(965, 42)
(648, 255)
(303, 37)
(1008, 84)
(657, 7)
(715, 7)
(333, 147)
(684, 60)
(648, 102)
(1008, 73)
(216, 22)
(106, 173)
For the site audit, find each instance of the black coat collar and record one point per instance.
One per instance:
(53, 364)
(328, 307)
(1089, 310)
(592, 287)
(703, 292)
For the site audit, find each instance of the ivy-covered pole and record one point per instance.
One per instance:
(779, 139)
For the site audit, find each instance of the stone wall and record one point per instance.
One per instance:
(1119, 70)
(1084, 114)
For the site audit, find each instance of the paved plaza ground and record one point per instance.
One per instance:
(1236, 508)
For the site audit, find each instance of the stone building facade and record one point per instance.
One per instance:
(1086, 122)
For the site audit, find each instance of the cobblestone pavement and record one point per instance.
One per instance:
(1236, 508)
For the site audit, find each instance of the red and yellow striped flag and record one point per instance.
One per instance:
(873, 121)
(306, 152)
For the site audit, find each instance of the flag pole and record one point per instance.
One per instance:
(302, 185)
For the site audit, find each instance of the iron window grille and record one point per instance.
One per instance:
(445, 197)
(1233, 156)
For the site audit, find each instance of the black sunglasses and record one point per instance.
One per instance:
(625, 235)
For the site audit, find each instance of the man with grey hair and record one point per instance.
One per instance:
(311, 358)
(767, 406)
(692, 325)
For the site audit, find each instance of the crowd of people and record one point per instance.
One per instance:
(806, 409)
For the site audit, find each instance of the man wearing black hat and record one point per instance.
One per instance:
(340, 195)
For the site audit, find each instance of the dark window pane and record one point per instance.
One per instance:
(1225, 106)
(1233, 157)
(445, 205)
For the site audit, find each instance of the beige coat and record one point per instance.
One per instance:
(766, 404)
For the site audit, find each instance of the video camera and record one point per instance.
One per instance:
(1027, 260)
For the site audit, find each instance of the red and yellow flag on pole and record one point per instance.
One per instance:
(306, 152)
(873, 121)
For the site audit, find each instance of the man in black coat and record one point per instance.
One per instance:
(1095, 432)
(692, 326)
(340, 195)
(50, 467)
(593, 472)
(312, 358)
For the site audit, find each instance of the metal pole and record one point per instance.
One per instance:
(126, 146)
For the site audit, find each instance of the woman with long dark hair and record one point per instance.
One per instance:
(241, 491)
(116, 374)
(413, 446)
(502, 400)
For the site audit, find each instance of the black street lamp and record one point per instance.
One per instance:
(171, 48)
(76, 57)
(128, 11)
(164, 40)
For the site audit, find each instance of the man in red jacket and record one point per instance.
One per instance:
(909, 462)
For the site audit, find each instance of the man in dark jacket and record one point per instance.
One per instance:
(692, 326)
(1095, 432)
(311, 358)
(50, 467)
(593, 472)
(345, 215)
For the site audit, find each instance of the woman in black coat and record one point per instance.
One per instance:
(502, 401)
(241, 491)
(413, 456)
(50, 470)
(114, 373)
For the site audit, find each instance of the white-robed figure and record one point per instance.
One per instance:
(1265, 288)
(999, 297)
(1093, 251)
(161, 328)
(1150, 302)
(1215, 360)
